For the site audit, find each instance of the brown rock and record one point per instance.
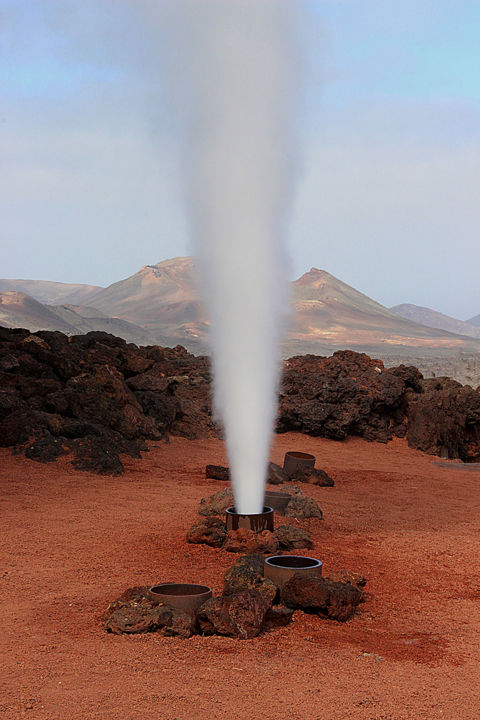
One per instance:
(217, 503)
(318, 477)
(276, 475)
(217, 472)
(301, 506)
(247, 574)
(136, 612)
(316, 594)
(246, 541)
(445, 420)
(240, 615)
(348, 576)
(277, 616)
(210, 531)
(293, 538)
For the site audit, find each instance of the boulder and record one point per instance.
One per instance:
(247, 574)
(293, 538)
(209, 531)
(246, 541)
(240, 615)
(136, 611)
(276, 475)
(301, 507)
(217, 472)
(277, 616)
(345, 394)
(316, 594)
(217, 503)
(348, 576)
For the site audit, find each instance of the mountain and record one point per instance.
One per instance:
(330, 313)
(434, 319)
(160, 304)
(20, 310)
(474, 321)
(162, 298)
(51, 293)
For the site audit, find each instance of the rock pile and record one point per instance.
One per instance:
(249, 605)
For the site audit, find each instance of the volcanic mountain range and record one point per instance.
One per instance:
(160, 305)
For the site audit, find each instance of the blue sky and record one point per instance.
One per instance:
(389, 130)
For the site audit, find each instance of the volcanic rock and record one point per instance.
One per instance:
(313, 476)
(217, 503)
(135, 612)
(240, 615)
(346, 394)
(247, 541)
(293, 538)
(217, 472)
(247, 574)
(277, 616)
(276, 475)
(301, 506)
(316, 594)
(45, 448)
(209, 531)
(348, 576)
(445, 420)
(98, 386)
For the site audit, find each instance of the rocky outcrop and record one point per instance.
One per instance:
(445, 420)
(346, 394)
(96, 397)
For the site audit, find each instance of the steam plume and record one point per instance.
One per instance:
(242, 68)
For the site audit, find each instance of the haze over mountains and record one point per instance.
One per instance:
(160, 304)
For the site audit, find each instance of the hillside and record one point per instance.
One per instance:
(433, 319)
(160, 304)
(51, 293)
(20, 310)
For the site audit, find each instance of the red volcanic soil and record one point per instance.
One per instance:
(72, 542)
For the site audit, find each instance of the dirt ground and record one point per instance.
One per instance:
(71, 542)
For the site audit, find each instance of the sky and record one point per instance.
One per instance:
(388, 127)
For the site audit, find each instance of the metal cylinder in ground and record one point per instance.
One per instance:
(257, 522)
(182, 596)
(280, 568)
(295, 461)
(278, 500)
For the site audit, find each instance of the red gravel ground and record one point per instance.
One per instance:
(72, 542)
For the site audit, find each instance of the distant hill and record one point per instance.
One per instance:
(160, 304)
(434, 319)
(20, 310)
(51, 293)
(333, 314)
(474, 321)
(163, 298)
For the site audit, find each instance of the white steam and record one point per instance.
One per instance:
(241, 73)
